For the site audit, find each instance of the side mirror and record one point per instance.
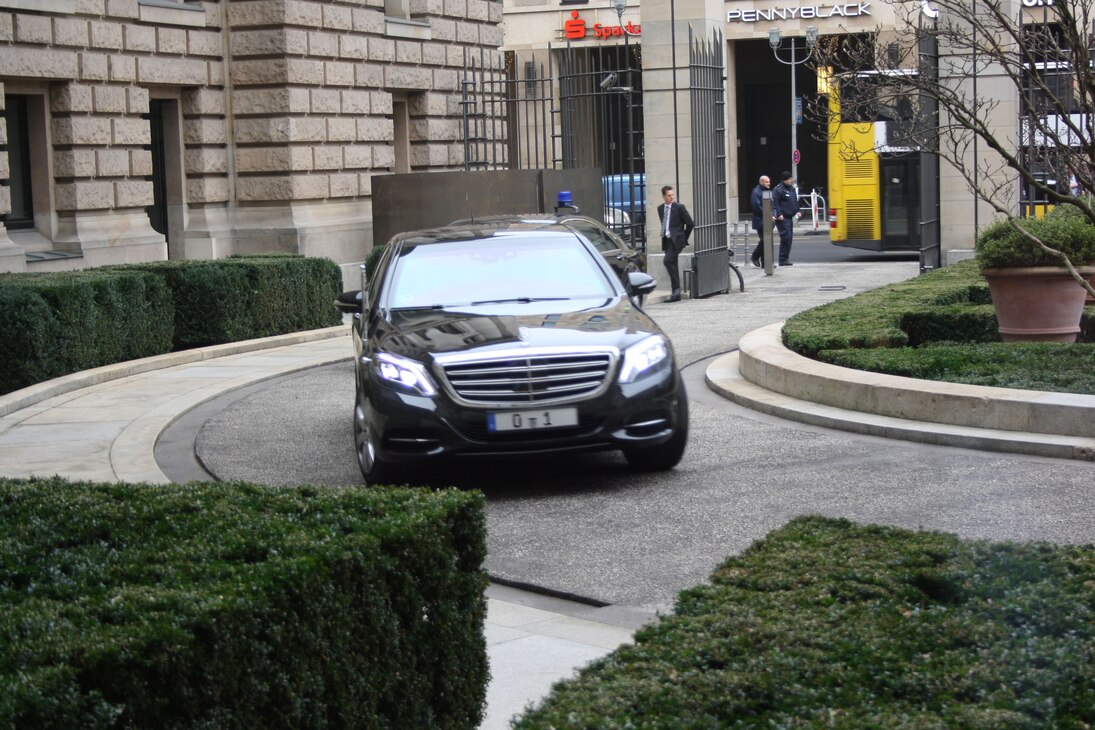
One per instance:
(640, 282)
(350, 302)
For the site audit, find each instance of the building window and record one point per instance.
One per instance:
(401, 133)
(399, 9)
(19, 168)
(30, 169)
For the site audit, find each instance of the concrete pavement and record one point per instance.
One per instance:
(104, 424)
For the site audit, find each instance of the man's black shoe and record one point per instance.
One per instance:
(673, 298)
(787, 263)
(757, 263)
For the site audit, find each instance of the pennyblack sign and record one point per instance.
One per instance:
(805, 12)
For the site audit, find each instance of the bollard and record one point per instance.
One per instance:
(766, 215)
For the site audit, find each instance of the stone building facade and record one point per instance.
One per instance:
(141, 130)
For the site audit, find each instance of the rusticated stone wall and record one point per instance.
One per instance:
(281, 112)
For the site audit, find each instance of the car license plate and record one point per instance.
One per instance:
(531, 420)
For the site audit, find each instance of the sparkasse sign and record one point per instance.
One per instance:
(577, 28)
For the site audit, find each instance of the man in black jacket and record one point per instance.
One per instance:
(756, 202)
(785, 206)
(677, 226)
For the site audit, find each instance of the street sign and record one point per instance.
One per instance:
(796, 157)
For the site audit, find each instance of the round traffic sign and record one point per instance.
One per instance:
(796, 157)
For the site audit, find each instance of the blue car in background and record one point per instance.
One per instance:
(625, 205)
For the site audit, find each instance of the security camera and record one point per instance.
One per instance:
(609, 80)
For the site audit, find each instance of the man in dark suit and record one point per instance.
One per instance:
(677, 226)
(785, 208)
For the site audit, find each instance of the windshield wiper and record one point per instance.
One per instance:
(520, 300)
(420, 306)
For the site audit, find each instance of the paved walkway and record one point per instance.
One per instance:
(103, 425)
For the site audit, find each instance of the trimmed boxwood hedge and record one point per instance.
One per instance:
(59, 323)
(55, 324)
(875, 318)
(238, 606)
(828, 624)
(1028, 365)
(885, 329)
(245, 297)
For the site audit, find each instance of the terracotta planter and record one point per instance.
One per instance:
(1037, 304)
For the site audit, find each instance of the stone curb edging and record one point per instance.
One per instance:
(724, 378)
(30, 395)
(767, 376)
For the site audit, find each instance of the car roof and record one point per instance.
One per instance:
(530, 218)
(461, 231)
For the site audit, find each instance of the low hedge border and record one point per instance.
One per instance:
(60, 323)
(1025, 365)
(55, 324)
(828, 624)
(234, 605)
(247, 297)
(939, 326)
(874, 318)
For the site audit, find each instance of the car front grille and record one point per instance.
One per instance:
(533, 378)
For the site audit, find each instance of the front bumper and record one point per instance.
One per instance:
(409, 428)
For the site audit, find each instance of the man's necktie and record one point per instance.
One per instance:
(668, 208)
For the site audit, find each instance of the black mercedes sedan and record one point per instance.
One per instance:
(508, 339)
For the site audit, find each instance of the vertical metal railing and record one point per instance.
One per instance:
(930, 231)
(508, 112)
(710, 254)
(582, 109)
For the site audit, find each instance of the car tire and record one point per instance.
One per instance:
(664, 456)
(374, 469)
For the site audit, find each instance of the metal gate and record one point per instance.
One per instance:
(600, 95)
(525, 113)
(710, 256)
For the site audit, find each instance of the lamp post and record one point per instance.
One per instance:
(776, 42)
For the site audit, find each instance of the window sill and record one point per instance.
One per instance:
(400, 28)
(167, 12)
(60, 7)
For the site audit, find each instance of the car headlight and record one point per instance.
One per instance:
(406, 373)
(642, 358)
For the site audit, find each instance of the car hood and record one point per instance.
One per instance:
(421, 334)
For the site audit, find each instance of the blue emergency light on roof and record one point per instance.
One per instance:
(565, 199)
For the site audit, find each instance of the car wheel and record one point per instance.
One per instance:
(373, 469)
(667, 455)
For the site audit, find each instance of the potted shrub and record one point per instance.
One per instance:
(1035, 294)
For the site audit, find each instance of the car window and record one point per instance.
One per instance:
(459, 273)
(600, 239)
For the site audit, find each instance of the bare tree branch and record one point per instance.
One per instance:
(1043, 55)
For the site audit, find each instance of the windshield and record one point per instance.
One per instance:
(501, 269)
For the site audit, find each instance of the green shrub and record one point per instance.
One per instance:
(373, 259)
(1000, 245)
(56, 324)
(1061, 368)
(1065, 210)
(827, 624)
(242, 298)
(874, 318)
(950, 322)
(237, 606)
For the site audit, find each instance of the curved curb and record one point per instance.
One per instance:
(766, 376)
(19, 399)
